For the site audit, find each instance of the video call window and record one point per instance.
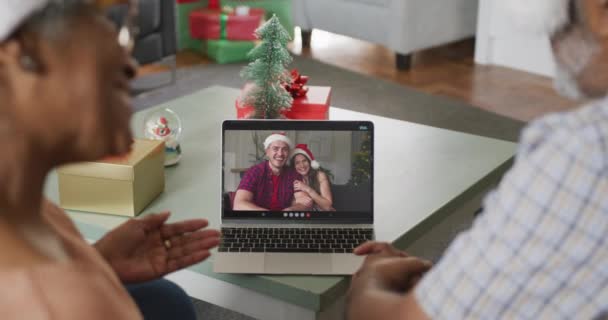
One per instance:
(335, 163)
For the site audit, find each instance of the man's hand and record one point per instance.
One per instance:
(301, 202)
(146, 249)
(305, 201)
(388, 268)
(378, 288)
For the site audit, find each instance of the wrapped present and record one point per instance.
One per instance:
(213, 4)
(226, 51)
(118, 185)
(215, 24)
(309, 102)
(282, 8)
(313, 105)
(184, 39)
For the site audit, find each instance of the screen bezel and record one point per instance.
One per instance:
(359, 217)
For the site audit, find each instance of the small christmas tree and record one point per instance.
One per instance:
(268, 71)
(361, 164)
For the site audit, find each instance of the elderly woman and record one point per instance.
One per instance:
(64, 74)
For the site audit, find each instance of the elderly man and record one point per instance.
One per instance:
(269, 185)
(540, 249)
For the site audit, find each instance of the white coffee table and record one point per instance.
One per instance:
(423, 176)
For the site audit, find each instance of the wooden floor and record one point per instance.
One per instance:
(448, 71)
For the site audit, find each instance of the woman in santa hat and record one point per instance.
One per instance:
(65, 97)
(314, 181)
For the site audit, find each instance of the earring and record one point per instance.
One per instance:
(28, 63)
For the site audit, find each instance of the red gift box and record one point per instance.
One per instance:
(214, 24)
(313, 106)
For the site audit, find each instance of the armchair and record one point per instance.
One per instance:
(156, 40)
(404, 26)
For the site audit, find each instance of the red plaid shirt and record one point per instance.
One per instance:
(258, 180)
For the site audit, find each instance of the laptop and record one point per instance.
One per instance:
(266, 226)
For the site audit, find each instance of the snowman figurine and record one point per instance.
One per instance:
(166, 126)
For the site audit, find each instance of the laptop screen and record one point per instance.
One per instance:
(298, 170)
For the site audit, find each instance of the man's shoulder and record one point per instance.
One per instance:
(253, 174)
(587, 125)
(258, 168)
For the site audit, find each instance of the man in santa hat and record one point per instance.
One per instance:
(539, 250)
(269, 185)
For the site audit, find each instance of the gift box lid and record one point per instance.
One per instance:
(116, 168)
(316, 97)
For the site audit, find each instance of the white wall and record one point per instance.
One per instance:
(501, 42)
(332, 149)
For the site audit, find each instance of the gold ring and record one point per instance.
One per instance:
(168, 244)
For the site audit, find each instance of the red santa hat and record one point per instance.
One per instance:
(279, 136)
(303, 150)
(537, 16)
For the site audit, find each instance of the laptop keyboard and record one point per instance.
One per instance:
(325, 240)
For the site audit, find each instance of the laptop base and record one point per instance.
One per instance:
(287, 263)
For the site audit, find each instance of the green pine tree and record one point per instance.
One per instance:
(361, 163)
(268, 71)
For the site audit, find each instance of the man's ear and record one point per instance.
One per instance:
(595, 12)
(13, 53)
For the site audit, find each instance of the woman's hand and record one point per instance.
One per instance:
(301, 186)
(146, 249)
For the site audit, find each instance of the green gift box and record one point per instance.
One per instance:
(184, 39)
(227, 51)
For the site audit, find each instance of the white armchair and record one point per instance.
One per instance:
(404, 26)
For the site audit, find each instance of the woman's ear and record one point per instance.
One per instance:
(17, 63)
(9, 52)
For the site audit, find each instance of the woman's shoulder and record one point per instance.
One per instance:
(62, 290)
(321, 176)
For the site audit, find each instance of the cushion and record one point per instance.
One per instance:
(148, 49)
(148, 20)
(149, 16)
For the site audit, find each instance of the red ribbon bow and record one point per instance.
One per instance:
(297, 87)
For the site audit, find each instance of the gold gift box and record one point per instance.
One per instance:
(119, 185)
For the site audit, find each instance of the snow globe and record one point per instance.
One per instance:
(165, 124)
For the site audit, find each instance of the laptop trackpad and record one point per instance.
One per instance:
(232, 262)
(298, 263)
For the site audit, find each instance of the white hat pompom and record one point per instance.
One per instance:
(536, 16)
(315, 164)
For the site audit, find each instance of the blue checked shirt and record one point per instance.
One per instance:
(540, 249)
